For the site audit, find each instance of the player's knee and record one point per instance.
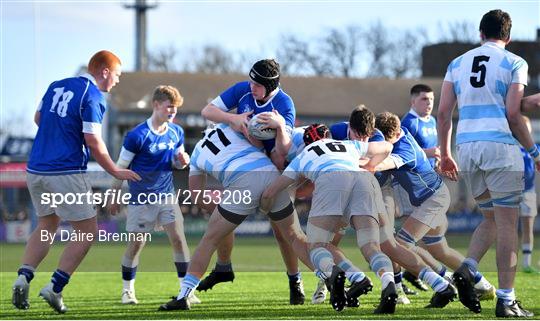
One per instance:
(313, 246)
(405, 238)
(178, 243)
(318, 235)
(49, 223)
(385, 234)
(367, 239)
(430, 240)
(134, 248)
(507, 199)
(485, 204)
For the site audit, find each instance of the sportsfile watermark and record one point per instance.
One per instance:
(100, 236)
(117, 196)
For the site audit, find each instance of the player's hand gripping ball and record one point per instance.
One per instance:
(258, 130)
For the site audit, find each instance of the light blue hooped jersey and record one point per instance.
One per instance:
(481, 78)
(226, 155)
(327, 155)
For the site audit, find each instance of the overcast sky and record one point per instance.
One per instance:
(42, 41)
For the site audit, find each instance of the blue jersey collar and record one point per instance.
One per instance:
(89, 77)
(149, 124)
(272, 96)
(414, 113)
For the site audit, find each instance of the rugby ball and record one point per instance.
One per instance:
(258, 131)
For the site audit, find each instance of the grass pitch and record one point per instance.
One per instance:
(260, 290)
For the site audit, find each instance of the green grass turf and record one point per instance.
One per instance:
(260, 290)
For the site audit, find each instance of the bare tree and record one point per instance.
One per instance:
(341, 49)
(214, 59)
(163, 59)
(458, 31)
(405, 55)
(290, 54)
(302, 57)
(378, 46)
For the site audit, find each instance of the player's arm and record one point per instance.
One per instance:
(255, 142)
(433, 152)
(447, 103)
(123, 162)
(530, 103)
(37, 117)
(37, 114)
(238, 122)
(181, 158)
(278, 160)
(267, 199)
(101, 154)
(516, 122)
(283, 137)
(386, 164)
(377, 152)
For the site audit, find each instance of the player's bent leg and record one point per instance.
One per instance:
(224, 251)
(130, 261)
(527, 242)
(417, 225)
(507, 241)
(296, 286)
(75, 251)
(181, 255)
(319, 295)
(287, 253)
(359, 283)
(35, 251)
(444, 291)
(482, 239)
(287, 224)
(223, 271)
(222, 222)
(484, 235)
(72, 256)
(320, 231)
(437, 246)
(506, 216)
(367, 238)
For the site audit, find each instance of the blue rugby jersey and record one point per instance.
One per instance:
(70, 108)
(413, 170)
(239, 96)
(151, 155)
(424, 130)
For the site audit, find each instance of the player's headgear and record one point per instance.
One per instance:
(266, 73)
(315, 132)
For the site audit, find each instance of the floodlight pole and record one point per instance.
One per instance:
(141, 58)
